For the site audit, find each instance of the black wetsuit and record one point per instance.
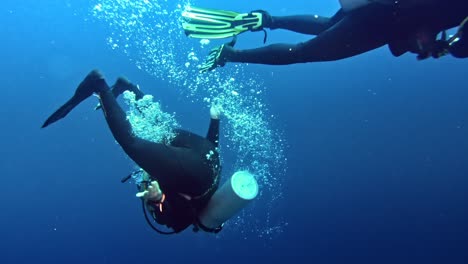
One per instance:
(459, 49)
(189, 166)
(351, 33)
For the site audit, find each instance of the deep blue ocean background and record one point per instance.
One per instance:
(377, 167)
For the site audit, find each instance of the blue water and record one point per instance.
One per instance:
(377, 156)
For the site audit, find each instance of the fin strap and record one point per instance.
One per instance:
(265, 37)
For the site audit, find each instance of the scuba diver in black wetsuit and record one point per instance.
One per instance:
(183, 175)
(405, 26)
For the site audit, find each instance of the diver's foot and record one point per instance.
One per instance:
(218, 56)
(267, 19)
(123, 84)
(93, 83)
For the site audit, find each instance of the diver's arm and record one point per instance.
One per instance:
(213, 130)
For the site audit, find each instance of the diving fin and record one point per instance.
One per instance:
(61, 112)
(218, 24)
(86, 88)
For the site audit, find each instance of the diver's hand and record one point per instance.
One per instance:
(215, 111)
(152, 193)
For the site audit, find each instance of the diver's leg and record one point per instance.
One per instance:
(173, 167)
(352, 35)
(305, 24)
(122, 131)
(121, 85)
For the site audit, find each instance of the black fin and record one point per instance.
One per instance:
(60, 113)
